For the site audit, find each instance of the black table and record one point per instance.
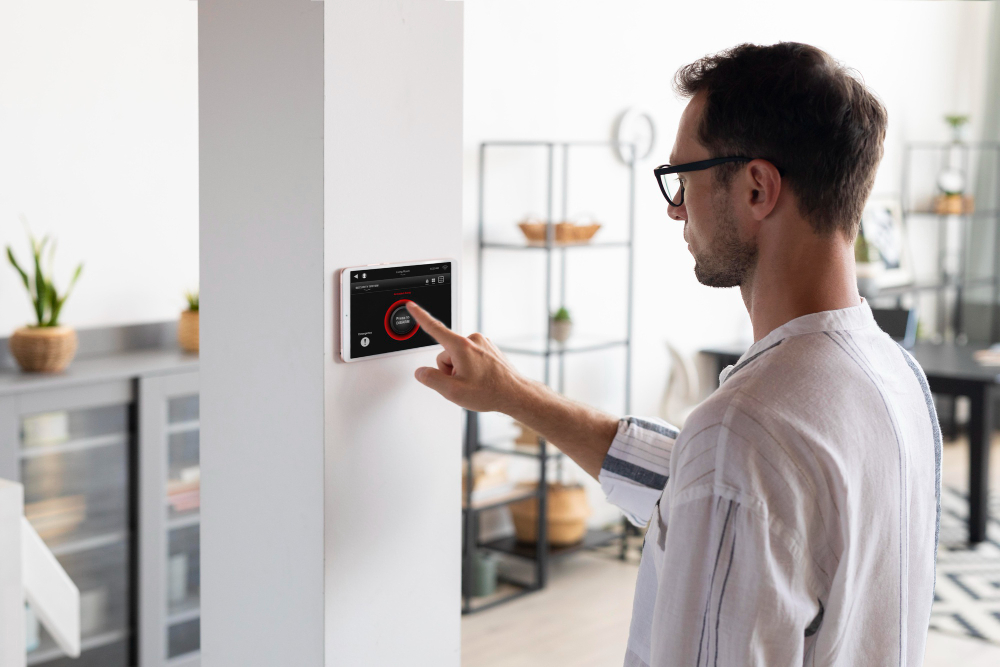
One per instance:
(951, 370)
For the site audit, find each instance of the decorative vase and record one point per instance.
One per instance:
(43, 349)
(187, 331)
(560, 330)
(567, 512)
(484, 573)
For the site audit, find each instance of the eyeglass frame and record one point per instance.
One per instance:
(665, 169)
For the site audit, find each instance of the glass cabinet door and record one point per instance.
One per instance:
(75, 453)
(170, 502)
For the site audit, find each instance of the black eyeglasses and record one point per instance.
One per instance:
(671, 185)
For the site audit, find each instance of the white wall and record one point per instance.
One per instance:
(393, 193)
(262, 332)
(563, 69)
(99, 147)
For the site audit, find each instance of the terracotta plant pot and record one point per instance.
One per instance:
(43, 349)
(567, 512)
(187, 331)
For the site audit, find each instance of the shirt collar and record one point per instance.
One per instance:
(842, 319)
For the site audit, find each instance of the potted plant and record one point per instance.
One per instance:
(952, 180)
(561, 326)
(187, 327)
(45, 346)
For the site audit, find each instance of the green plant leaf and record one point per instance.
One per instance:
(24, 276)
(57, 302)
(41, 284)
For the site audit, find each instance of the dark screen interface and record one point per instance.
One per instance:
(379, 320)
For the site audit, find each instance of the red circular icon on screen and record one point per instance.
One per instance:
(399, 323)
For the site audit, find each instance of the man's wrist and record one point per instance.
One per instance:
(525, 395)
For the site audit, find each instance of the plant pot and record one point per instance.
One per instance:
(567, 514)
(43, 349)
(560, 330)
(954, 204)
(187, 331)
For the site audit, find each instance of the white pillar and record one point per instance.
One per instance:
(331, 491)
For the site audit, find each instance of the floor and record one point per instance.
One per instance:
(581, 619)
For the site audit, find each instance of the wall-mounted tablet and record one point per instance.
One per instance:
(374, 319)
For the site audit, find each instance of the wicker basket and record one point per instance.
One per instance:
(43, 349)
(187, 331)
(566, 232)
(567, 512)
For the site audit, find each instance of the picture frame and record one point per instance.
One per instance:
(883, 229)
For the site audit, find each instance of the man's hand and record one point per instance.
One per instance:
(471, 371)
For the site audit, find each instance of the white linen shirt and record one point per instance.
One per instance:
(794, 520)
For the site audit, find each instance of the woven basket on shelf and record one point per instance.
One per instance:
(567, 514)
(565, 232)
(187, 331)
(43, 349)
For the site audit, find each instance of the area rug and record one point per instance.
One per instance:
(967, 595)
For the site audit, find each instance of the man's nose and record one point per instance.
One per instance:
(677, 212)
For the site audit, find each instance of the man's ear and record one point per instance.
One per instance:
(764, 183)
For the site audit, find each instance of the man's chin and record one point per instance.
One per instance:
(714, 278)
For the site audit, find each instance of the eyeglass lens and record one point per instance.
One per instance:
(672, 186)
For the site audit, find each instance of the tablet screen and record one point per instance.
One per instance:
(379, 319)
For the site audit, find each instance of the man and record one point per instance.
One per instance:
(794, 519)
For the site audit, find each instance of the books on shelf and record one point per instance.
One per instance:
(184, 491)
(490, 482)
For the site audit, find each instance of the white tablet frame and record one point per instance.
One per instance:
(345, 306)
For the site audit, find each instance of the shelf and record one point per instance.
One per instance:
(510, 545)
(183, 427)
(184, 521)
(535, 345)
(186, 610)
(550, 451)
(506, 591)
(935, 214)
(80, 444)
(88, 543)
(531, 245)
(50, 653)
(514, 496)
(933, 287)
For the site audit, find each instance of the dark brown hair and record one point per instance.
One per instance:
(794, 105)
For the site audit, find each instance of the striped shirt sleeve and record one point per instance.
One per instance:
(636, 468)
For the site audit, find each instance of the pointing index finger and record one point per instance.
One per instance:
(433, 326)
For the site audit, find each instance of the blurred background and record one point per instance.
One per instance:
(568, 107)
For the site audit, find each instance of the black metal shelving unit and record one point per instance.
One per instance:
(957, 282)
(541, 553)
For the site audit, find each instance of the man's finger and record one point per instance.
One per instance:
(444, 363)
(433, 326)
(433, 378)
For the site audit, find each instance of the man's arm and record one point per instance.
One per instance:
(629, 456)
(583, 433)
(473, 373)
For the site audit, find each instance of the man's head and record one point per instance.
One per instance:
(816, 134)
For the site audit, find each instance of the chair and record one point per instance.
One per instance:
(899, 323)
(682, 393)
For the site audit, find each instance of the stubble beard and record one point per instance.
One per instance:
(729, 260)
